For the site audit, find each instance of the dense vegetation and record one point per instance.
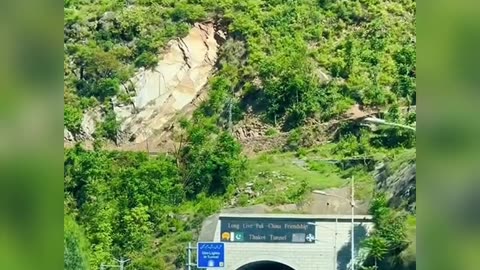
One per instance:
(389, 237)
(289, 60)
(279, 52)
(127, 200)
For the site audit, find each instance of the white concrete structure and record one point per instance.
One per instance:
(331, 249)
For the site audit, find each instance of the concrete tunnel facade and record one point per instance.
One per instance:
(330, 248)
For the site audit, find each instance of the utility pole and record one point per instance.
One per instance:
(148, 149)
(121, 262)
(230, 116)
(189, 256)
(335, 246)
(353, 225)
(230, 128)
(189, 266)
(146, 140)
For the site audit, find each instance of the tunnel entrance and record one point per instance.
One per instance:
(265, 265)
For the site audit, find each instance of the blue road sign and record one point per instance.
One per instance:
(210, 255)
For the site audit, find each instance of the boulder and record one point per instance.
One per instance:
(89, 123)
(67, 135)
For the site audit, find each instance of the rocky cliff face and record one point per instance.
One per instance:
(399, 184)
(160, 93)
(175, 82)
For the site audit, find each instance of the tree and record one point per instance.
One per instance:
(146, 59)
(378, 248)
(389, 237)
(110, 127)
(352, 145)
(405, 85)
(72, 118)
(289, 83)
(209, 163)
(136, 228)
(189, 13)
(75, 247)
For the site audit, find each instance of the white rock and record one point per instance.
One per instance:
(67, 135)
(89, 123)
(177, 79)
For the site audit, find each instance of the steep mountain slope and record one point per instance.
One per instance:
(286, 68)
(281, 80)
(398, 180)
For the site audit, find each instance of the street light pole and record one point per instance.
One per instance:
(335, 245)
(352, 202)
(189, 256)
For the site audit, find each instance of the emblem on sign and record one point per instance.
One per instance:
(238, 237)
(310, 238)
(225, 236)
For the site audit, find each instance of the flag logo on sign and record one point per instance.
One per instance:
(239, 237)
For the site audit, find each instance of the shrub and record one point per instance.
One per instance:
(146, 59)
(109, 127)
(271, 132)
(188, 13)
(75, 244)
(389, 238)
(294, 140)
(72, 118)
(243, 200)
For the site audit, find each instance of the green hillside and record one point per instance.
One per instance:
(289, 60)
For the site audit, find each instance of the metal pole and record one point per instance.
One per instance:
(335, 246)
(353, 225)
(230, 105)
(379, 121)
(189, 265)
(148, 148)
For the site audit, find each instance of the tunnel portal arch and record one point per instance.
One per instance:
(265, 265)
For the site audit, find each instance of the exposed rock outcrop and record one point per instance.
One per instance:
(177, 79)
(90, 121)
(67, 136)
(399, 184)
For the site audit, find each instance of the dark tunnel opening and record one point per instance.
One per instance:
(265, 265)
